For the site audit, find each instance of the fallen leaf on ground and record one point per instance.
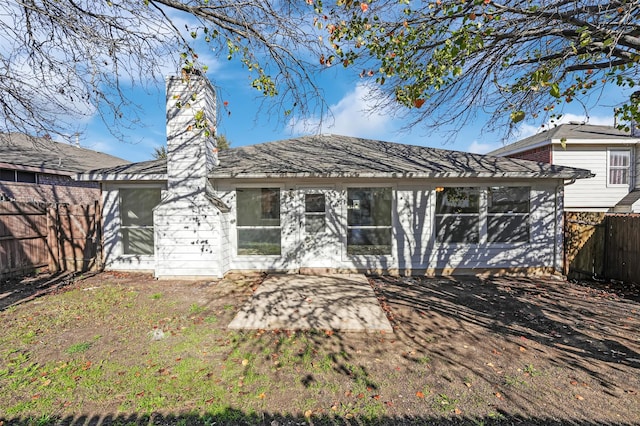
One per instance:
(420, 394)
(579, 397)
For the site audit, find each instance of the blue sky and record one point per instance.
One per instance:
(249, 124)
(345, 94)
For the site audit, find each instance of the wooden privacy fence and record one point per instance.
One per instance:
(59, 237)
(599, 245)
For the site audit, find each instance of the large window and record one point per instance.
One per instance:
(369, 221)
(136, 209)
(508, 214)
(458, 215)
(461, 216)
(619, 166)
(258, 221)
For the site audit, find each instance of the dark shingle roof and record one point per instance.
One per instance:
(45, 154)
(343, 156)
(565, 131)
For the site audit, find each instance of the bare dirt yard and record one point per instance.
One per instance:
(121, 349)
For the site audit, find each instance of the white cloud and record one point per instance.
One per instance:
(350, 116)
(596, 120)
(481, 147)
(525, 130)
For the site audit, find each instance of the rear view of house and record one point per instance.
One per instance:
(324, 203)
(611, 154)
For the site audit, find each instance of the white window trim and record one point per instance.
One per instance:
(233, 228)
(629, 152)
(345, 226)
(122, 227)
(483, 192)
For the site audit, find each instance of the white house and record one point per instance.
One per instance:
(611, 154)
(325, 203)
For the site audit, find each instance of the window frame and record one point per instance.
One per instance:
(628, 167)
(509, 214)
(124, 228)
(446, 215)
(389, 227)
(484, 216)
(267, 210)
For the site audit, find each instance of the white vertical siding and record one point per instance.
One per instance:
(588, 194)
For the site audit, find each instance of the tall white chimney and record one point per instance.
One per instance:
(186, 222)
(191, 127)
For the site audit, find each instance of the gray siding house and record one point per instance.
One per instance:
(325, 203)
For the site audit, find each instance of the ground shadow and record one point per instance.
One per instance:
(14, 291)
(232, 417)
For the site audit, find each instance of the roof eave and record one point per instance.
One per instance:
(408, 175)
(102, 177)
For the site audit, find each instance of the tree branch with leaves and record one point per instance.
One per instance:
(446, 60)
(67, 60)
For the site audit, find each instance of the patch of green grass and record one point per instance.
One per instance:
(211, 319)
(424, 360)
(444, 403)
(196, 309)
(28, 337)
(514, 381)
(78, 348)
(531, 371)
(156, 296)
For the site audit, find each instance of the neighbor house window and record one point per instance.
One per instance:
(508, 214)
(258, 221)
(619, 166)
(369, 221)
(18, 176)
(457, 215)
(136, 209)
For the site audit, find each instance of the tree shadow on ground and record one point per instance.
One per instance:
(578, 326)
(15, 291)
(234, 417)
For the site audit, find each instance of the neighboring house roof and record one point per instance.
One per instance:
(145, 170)
(343, 156)
(570, 133)
(43, 154)
(627, 202)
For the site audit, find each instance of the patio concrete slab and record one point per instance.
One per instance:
(341, 302)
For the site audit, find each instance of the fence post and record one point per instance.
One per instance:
(98, 235)
(52, 238)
